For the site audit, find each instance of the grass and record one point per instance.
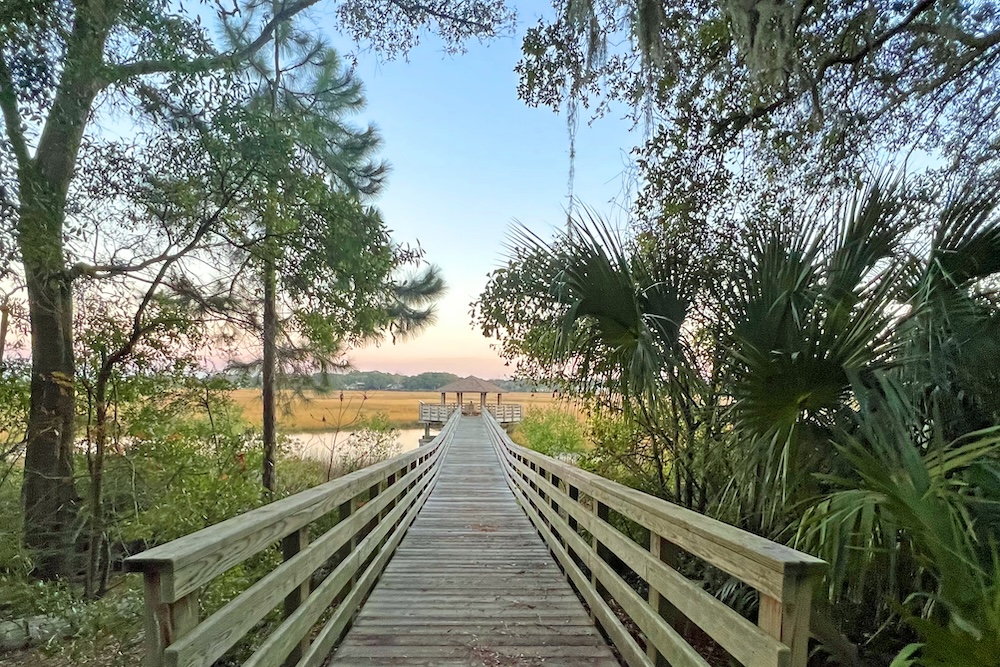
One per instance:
(315, 411)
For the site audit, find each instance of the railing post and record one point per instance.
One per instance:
(667, 553)
(345, 510)
(787, 619)
(166, 622)
(356, 504)
(600, 514)
(291, 545)
(390, 480)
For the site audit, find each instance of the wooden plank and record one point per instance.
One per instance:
(631, 652)
(165, 623)
(750, 645)
(742, 639)
(291, 546)
(746, 642)
(678, 652)
(736, 551)
(471, 583)
(280, 642)
(331, 632)
(788, 619)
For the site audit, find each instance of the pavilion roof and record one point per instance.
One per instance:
(471, 385)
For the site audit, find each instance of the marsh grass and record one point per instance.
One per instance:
(314, 411)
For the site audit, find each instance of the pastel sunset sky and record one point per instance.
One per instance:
(468, 160)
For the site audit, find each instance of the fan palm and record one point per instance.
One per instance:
(618, 311)
(813, 311)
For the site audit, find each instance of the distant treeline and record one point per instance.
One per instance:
(377, 380)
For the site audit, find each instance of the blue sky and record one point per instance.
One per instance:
(468, 159)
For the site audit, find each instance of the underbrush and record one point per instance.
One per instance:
(174, 476)
(551, 431)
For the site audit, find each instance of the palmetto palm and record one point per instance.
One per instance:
(860, 351)
(615, 313)
(812, 313)
(857, 401)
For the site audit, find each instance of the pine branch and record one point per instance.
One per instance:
(164, 66)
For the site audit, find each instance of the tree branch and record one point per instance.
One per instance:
(876, 43)
(163, 66)
(12, 115)
(733, 123)
(165, 257)
(414, 9)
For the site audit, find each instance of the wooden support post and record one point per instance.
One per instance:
(390, 480)
(787, 619)
(558, 484)
(668, 553)
(345, 511)
(600, 551)
(291, 545)
(356, 504)
(166, 622)
(574, 494)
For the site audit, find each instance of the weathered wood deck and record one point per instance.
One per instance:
(472, 583)
(454, 542)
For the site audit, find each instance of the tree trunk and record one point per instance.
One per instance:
(268, 372)
(96, 565)
(49, 494)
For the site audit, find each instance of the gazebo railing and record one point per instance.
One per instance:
(436, 412)
(505, 413)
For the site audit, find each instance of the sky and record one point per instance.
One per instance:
(468, 160)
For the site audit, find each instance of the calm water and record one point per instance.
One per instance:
(321, 444)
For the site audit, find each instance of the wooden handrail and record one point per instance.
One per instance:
(505, 413)
(375, 506)
(571, 508)
(435, 412)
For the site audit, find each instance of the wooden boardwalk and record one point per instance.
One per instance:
(472, 583)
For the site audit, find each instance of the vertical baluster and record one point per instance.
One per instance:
(166, 622)
(291, 545)
(787, 619)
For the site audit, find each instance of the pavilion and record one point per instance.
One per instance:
(470, 385)
(433, 414)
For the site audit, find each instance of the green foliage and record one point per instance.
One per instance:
(15, 560)
(427, 381)
(89, 631)
(192, 477)
(14, 382)
(829, 381)
(374, 439)
(552, 432)
(622, 452)
(737, 93)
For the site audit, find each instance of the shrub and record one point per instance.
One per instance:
(552, 432)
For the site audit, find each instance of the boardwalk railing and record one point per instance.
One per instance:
(372, 507)
(578, 514)
(436, 412)
(505, 413)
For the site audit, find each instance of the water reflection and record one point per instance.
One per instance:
(321, 444)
